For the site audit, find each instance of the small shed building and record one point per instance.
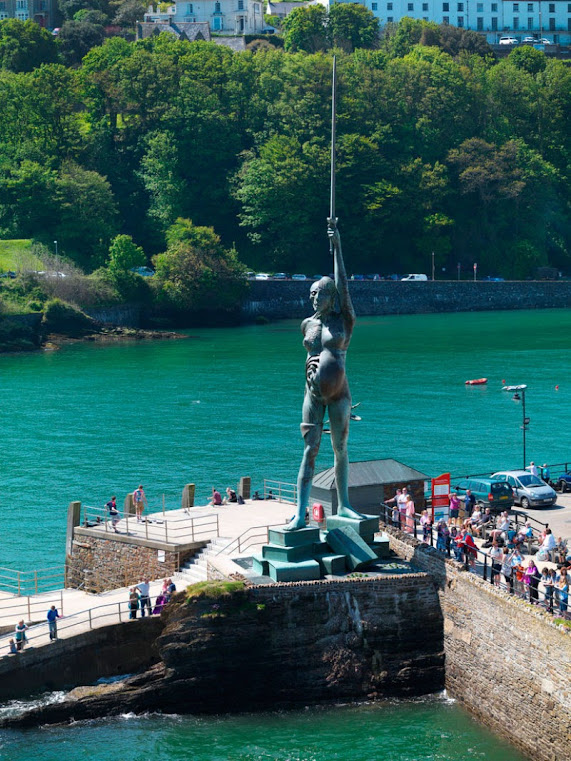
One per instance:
(370, 483)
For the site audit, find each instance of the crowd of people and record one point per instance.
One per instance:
(504, 543)
(140, 598)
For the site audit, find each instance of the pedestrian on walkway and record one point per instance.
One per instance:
(12, 649)
(144, 588)
(113, 513)
(21, 638)
(133, 603)
(53, 616)
(140, 500)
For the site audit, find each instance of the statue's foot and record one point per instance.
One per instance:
(348, 512)
(295, 524)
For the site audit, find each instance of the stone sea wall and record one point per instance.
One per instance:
(97, 564)
(275, 299)
(505, 660)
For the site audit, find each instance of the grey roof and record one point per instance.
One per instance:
(369, 472)
(186, 30)
(237, 44)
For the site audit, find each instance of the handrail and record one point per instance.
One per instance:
(120, 609)
(239, 539)
(26, 582)
(280, 490)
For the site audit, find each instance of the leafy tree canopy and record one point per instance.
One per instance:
(24, 45)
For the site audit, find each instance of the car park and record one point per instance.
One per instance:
(509, 41)
(415, 277)
(529, 490)
(489, 492)
(299, 276)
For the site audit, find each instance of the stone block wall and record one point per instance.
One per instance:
(99, 563)
(505, 660)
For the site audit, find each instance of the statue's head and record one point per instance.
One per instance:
(322, 294)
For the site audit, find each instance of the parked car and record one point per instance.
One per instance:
(563, 482)
(529, 41)
(357, 277)
(509, 41)
(9, 274)
(492, 279)
(250, 275)
(299, 276)
(489, 492)
(415, 277)
(315, 278)
(545, 41)
(280, 276)
(143, 271)
(262, 276)
(529, 490)
(393, 277)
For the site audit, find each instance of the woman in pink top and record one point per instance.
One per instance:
(409, 515)
(454, 508)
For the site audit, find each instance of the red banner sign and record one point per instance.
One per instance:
(440, 492)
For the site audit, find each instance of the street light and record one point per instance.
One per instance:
(55, 244)
(519, 394)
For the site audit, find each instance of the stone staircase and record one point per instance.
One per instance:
(196, 569)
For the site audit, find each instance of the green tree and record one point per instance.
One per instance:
(76, 38)
(125, 255)
(529, 59)
(304, 29)
(24, 45)
(128, 12)
(351, 26)
(196, 272)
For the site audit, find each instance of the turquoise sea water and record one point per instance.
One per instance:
(431, 729)
(92, 420)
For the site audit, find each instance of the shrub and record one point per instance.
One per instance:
(214, 589)
(60, 317)
(16, 337)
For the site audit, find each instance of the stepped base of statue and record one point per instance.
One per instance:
(308, 554)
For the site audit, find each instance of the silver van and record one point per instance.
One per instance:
(415, 277)
(529, 490)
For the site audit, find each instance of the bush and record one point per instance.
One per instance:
(213, 589)
(16, 337)
(60, 317)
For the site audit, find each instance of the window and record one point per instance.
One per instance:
(216, 7)
(410, 7)
(373, 6)
(551, 7)
(569, 24)
(480, 24)
(516, 22)
(2, 6)
(460, 21)
(189, 8)
(240, 5)
(425, 6)
(21, 5)
(460, 8)
(445, 6)
(516, 8)
(217, 23)
(568, 7)
(390, 19)
(530, 23)
(551, 24)
(3, 16)
(494, 24)
(425, 18)
(389, 6)
(494, 8)
(530, 7)
(445, 19)
(22, 15)
(479, 7)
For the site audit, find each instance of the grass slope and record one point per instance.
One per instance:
(17, 255)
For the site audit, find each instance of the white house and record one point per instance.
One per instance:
(230, 17)
(495, 19)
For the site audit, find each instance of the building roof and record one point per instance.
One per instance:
(370, 472)
(185, 30)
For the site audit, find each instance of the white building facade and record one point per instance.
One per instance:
(230, 17)
(495, 19)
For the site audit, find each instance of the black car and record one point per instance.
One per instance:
(563, 482)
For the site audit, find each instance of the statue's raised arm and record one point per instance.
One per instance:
(340, 275)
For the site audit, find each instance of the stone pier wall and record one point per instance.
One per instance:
(505, 660)
(108, 562)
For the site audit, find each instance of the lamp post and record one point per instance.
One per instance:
(433, 265)
(519, 394)
(55, 244)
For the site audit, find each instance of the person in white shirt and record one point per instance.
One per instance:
(144, 588)
(532, 467)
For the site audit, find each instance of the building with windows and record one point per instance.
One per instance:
(40, 11)
(228, 17)
(494, 18)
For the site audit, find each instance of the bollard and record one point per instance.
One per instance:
(244, 487)
(188, 496)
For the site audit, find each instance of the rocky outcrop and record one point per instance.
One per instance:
(281, 646)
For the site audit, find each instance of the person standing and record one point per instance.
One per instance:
(531, 579)
(113, 513)
(562, 587)
(410, 513)
(454, 507)
(52, 617)
(133, 603)
(402, 499)
(469, 503)
(20, 635)
(496, 558)
(548, 581)
(140, 500)
(144, 588)
(532, 467)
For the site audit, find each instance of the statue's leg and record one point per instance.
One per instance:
(339, 416)
(311, 430)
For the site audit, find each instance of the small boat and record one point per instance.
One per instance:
(476, 382)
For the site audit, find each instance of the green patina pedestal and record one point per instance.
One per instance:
(309, 554)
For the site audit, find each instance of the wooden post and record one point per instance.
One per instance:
(73, 520)
(244, 487)
(188, 493)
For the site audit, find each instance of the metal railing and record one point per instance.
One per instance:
(31, 582)
(168, 529)
(254, 536)
(92, 618)
(280, 490)
(28, 608)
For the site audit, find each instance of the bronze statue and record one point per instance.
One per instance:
(326, 336)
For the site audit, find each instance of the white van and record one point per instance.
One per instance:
(415, 277)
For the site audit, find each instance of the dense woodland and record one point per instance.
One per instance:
(440, 149)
